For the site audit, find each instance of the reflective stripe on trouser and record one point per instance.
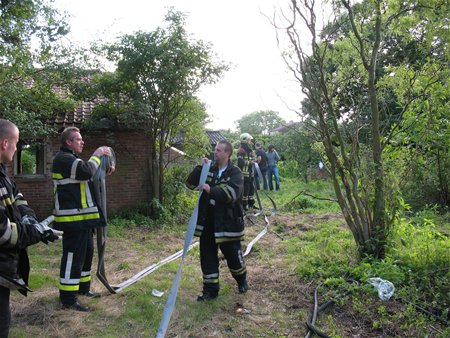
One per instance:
(249, 191)
(209, 260)
(76, 261)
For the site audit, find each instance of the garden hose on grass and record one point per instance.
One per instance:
(259, 212)
(310, 323)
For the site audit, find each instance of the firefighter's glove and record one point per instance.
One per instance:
(48, 234)
(51, 235)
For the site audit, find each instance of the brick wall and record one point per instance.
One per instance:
(127, 187)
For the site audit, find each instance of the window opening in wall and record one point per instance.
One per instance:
(29, 159)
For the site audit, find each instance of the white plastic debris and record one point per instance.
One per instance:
(157, 293)
(385, 288)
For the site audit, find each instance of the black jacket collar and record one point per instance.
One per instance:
(67, 150)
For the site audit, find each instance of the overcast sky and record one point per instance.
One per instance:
(239, 33)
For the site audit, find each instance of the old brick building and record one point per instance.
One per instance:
(126, 188)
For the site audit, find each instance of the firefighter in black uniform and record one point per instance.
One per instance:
(77, 214)
(246, 158)
(220, 221)
(15, 233)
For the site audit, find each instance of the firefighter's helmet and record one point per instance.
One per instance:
(246, 137)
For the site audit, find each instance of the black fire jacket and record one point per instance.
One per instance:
(14, 236)
(225, 200)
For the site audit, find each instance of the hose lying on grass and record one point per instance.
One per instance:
(310, 323)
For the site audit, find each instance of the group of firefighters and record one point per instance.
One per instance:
(227, 194)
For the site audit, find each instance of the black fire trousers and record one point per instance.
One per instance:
(76, 261)
(248, 199)
(5, 312)
(209, 259)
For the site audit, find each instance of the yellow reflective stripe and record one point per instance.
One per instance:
(211, 281)
(240, 271)
(229, 239)
(7, 201)
(76, 218)
(77, 211)
(96, 159)
(69, 287)
(225, 190)
(85, 279)
(14, 234)
(83, 195)
(64, 181)
(57, 176)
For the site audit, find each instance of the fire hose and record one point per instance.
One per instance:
(100, 193)
(259, 212)
(170, 304)
(107, 162)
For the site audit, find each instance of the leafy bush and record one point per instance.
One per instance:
(291, 169)
(423, 176)
(28, 162)
(178, 198)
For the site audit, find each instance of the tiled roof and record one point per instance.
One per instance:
(284, 128)
(214, 136)
(84, 112)
(76, 117)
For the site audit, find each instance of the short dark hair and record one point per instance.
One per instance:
(65, 135)
(228, 146)
(7, 129)
(271, 146)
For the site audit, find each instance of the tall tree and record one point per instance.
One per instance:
(153, 88)
(417, 59)
(338, 67)
(260, 122)
(28, 32)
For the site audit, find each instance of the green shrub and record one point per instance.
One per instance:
(289, 169)
(298, 204)
(28, 162)
(177, 198)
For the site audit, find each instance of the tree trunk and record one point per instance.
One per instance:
(161, 170)
(364, 213)
(378, 241)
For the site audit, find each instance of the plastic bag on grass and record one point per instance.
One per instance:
(385, 288)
